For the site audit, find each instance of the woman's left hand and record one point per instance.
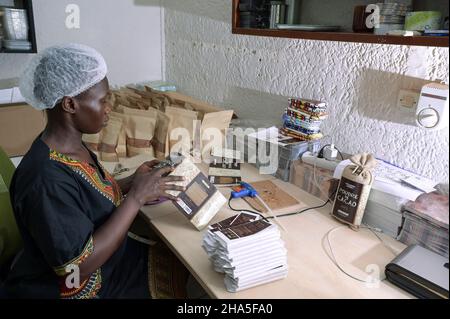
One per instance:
(146, 167)
(125, 183)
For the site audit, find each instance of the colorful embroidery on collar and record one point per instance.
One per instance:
(108, 187)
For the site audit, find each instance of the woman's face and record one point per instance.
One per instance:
(93, 108)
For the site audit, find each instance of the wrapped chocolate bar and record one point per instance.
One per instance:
(353, 191)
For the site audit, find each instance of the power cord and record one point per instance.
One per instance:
(333, 257)
(321, 155)
(302, 211)
(277, 216)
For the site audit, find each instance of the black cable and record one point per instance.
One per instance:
(340, 154)
(301, 212)
(277, 216)
(320, 154)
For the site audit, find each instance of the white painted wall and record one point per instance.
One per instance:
(127, 32)
(255, 75)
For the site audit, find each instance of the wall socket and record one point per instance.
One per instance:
(408, 100)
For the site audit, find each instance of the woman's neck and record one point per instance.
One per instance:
(62, 137)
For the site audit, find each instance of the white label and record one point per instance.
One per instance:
(184, 206)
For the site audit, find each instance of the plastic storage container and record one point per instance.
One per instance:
(288, 154)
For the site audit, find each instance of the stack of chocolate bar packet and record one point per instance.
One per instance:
(247, 249)
(302, 119)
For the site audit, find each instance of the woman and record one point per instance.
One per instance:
(71, 213)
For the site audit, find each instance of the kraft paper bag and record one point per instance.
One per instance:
(92, 141)
(121, 148)
(109, 139)
(112, 99)
(124, 101)
(189, 107)
(159, 141)
(181, 129)
(213, 131)
(353, 190)
(157, 103)
(152, 99)
(140, 132)
(145, 104)
(127, 92)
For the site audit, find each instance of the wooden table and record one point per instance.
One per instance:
(312, 273)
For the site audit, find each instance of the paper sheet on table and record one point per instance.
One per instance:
(391, 179)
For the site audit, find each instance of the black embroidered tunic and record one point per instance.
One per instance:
(59, 203)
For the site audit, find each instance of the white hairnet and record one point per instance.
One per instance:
(59, 71)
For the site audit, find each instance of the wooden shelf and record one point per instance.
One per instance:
(346, 37)
(336, 36)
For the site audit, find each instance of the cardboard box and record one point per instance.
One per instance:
(20, 124)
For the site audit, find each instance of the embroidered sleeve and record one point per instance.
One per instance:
(68, 274)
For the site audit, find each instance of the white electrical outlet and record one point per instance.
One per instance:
(408, 100)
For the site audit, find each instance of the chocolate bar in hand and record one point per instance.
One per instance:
(201, 201)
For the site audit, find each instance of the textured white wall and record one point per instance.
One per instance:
(255, 75)
(126, 32)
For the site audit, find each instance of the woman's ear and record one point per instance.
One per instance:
(68, 105)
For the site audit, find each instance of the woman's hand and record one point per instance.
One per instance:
(146, 167)
(151, 185)
(126, 183)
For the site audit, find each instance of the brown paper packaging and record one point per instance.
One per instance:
(140, 130)
(109, 139)
(184, 119)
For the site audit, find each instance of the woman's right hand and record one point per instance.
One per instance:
(151, 186)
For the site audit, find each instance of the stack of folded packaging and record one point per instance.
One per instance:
(303, 118)
(426, 222)
(156, 123)
(248, 250)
